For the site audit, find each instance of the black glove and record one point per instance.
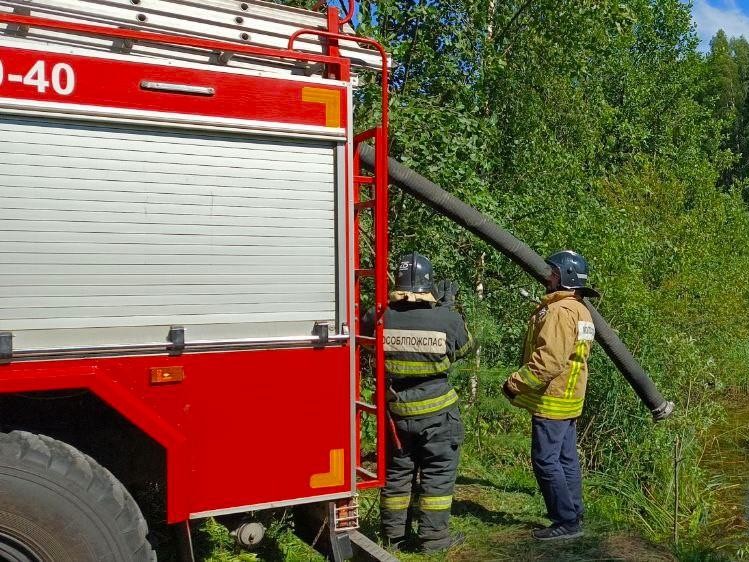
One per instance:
(445, 292)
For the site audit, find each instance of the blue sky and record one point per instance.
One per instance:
(711, 15)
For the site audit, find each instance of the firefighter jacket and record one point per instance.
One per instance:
(552, 381)
(422, 341)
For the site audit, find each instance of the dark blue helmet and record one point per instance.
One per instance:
(573, 271)
(414, 274)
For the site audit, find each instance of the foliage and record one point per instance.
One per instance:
(727, 82)
(215, 544)
(594, 125)
(222, 545)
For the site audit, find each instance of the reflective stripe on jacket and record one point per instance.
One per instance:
(425, 407)
(422, 341)
(552, 381)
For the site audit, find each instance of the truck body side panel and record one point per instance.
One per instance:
(243, 429)
(131, 209)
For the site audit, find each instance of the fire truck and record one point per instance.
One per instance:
(180, 270)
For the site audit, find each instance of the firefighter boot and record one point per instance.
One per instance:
(453, 539)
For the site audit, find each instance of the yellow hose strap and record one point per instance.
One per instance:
(435, 503)
(395, 503)
(401, 368)
(422, 407)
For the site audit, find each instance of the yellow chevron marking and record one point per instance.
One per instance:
(331, 99)
(335, 476)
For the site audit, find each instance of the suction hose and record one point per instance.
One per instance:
(533, 264)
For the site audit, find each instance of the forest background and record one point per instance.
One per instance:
(595, 125)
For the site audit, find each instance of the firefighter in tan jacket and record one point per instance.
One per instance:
(551, 385)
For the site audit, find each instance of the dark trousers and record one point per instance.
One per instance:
(557, 468)
(426, 467)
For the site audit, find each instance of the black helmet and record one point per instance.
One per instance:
(573, 271)
(414, 274)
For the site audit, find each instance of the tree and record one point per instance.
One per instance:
(727, 84)
(594, 125)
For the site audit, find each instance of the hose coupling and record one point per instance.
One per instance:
(663, 411)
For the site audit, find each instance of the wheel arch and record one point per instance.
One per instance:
(104, 401)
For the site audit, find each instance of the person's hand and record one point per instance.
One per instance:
(445, 292)
(507, 391)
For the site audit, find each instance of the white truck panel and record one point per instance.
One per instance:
(113, 137)
(60, 194)
(262, 178)
(111, 234)
(308, 192)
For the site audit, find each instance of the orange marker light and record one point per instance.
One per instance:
(164, 375)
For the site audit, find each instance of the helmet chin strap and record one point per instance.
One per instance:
(553, 285)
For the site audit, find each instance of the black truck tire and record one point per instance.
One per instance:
(59, 505)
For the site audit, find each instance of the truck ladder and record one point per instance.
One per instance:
(243, 22)
(376, 202)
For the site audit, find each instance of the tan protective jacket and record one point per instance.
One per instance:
(552, 381)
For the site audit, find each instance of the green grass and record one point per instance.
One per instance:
(495, 505)
(214, 544)
(629, 492)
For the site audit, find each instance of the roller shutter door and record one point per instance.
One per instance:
(109, 234)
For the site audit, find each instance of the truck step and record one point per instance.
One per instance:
(367, 549)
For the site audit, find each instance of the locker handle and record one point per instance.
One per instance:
(177, 88)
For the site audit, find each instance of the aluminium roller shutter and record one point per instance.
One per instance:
(111, 234)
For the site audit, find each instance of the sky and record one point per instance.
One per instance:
(732, 16)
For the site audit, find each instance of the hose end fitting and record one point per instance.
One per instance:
(663, 411)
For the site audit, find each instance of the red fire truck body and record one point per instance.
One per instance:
(179, 240)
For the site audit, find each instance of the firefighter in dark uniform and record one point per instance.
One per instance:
(424, 336)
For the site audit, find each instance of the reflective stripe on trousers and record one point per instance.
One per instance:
(395, 503)
(435, 503)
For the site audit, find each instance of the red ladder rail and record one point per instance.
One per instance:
(377, 202)
(96, 30)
